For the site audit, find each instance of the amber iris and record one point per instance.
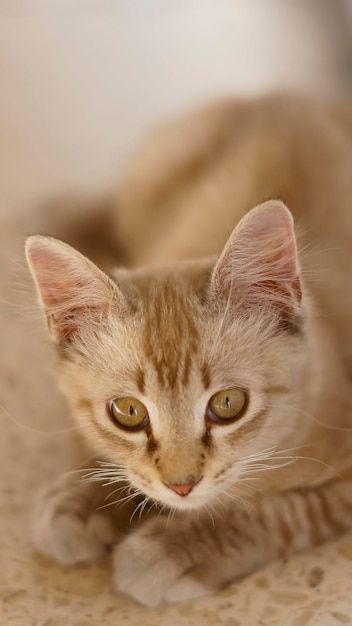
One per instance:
(227, 405)
(128, 412)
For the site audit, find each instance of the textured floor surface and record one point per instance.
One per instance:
(80, 82)
(311, 589)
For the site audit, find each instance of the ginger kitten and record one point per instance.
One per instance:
(212, 379)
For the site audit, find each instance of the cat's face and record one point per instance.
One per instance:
(177, 374)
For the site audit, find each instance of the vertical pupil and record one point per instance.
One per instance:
(228, 403)
(131, 410)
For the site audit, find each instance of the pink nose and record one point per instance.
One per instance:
(182, 490)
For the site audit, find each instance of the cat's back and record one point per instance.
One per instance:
(185, 191)
(191, 182)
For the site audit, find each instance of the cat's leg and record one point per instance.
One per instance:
(190, 558)
(76, 520)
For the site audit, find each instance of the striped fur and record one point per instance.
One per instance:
(187, 320)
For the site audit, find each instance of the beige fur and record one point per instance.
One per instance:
(186, 321)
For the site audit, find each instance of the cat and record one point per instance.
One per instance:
(211, 376)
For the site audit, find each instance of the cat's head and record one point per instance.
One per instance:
(177, 373)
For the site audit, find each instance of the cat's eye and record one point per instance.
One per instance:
(129, 413)
(227, 405)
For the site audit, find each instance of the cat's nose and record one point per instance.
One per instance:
(182, 490)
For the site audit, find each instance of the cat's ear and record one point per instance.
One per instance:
(72, 290)
(258, 266)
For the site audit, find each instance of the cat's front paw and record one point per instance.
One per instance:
(67, 531)
(153, 567)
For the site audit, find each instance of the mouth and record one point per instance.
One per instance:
(183, 504)
(179, 496)
(182, 497)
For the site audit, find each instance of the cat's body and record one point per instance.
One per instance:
(184, 327)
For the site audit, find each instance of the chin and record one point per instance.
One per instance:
(188, 503)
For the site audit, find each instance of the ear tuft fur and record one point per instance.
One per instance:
(72, 290)
(258, 266)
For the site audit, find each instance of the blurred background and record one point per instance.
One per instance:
(82, 81)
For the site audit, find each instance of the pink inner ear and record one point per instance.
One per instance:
(59, 278)
(266, 236)
(71, 287)
(259, 262)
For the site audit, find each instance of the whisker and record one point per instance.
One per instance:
(253, 463)
(170, 516)
(316, 420)
(143, 502)
(220, 501)
(109, 472)
(121, 489)
(258, 456)
(109, 464)
(210, 515)
(163, 507)
(146, 500)
(104, 506)
(265, 466)
(232, 492)
(215, 511)
(153, 504)
(100, 478)
(39, 431)
(80, 469)
(123, 501)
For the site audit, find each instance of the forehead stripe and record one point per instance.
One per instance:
(171, 336)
